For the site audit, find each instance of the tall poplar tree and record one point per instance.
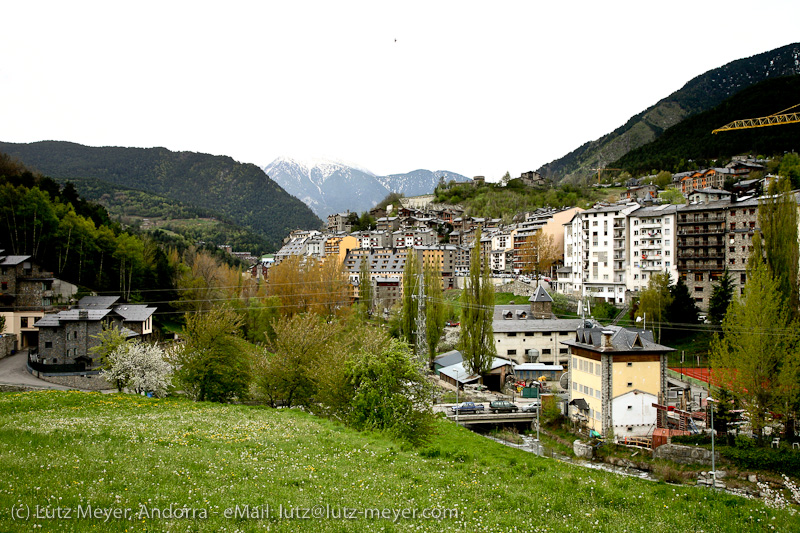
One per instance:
(365, 285)
(434, 309)
(756, 358)
(408, 313)
(654, 301)
(777, 217)
(477, 307)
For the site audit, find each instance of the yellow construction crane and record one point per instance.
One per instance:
(600, 171)
(781, 117)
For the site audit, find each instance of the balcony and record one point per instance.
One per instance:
(719, 217)
(700, 254)
(619, 235)
(619, 265)
(652, 268)
(702, 230)
(650, 246)
(701, 265)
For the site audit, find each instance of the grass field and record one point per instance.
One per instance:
(67, 455)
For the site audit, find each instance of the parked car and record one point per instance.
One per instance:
(468, 407)
(503, 406)
(531, 407)
(452, 323)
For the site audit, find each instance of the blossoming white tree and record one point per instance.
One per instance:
(139, 367)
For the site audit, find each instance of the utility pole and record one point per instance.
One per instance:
(422, 339)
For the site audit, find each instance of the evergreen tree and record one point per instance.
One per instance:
(682, 312)
(477, 307)
(721, 296)
(408, 312)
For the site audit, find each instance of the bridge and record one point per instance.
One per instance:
(493, 418)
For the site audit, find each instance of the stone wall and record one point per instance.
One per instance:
(6, 344)
(80, 381)
(518, 289)
(685, 454)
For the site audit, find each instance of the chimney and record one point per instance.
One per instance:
(606, 340)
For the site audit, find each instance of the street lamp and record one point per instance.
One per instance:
(457, 409)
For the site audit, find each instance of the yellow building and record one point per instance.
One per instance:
(615, 376)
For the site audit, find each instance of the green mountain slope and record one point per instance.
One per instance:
(692, 139)
(241, 192)
(151, 212)
(700, 94)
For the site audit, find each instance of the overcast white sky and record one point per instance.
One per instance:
(477, 88)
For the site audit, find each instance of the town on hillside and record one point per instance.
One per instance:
(610, 380)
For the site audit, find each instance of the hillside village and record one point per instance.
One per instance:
(608, 380)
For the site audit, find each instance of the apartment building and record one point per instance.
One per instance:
(701, 247)
(596, 244)
(653, 245)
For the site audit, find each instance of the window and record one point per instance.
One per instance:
(512, 334)
(630, 364)
(698, 276)
(630, 408)
(733, 212)
(5, 285)
(562, 351)
(743, 279)
(698, 289)
(546, 334)
(630, 384)
(511, 352)
(529, 334)
(546, 351)
(732, 261)
(48, 344)
(574, 386)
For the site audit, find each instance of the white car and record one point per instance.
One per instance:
(531, 407)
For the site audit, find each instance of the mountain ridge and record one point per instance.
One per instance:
(239, 191)
(701, 93)
(331, 186)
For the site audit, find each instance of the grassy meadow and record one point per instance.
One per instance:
(70, 460)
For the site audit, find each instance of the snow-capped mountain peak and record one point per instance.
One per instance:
(330, 186)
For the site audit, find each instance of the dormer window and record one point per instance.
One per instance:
(507, 315)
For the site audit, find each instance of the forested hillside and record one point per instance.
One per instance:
(151, 212)
(240, 192)
(691, 144)
(698, 95)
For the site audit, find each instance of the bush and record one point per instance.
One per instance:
(777, 460)
(692, 439)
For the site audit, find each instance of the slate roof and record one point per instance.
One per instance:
(622, 340)
(540, 295)
(459, 373)
(72, 315)
(515, 324)
(11, 260)
(134, 313)
(449, 358)
(97, 302)
(537, 367)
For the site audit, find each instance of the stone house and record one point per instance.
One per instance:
(615, 375)
(66, 337)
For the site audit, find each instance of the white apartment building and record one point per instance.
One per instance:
(595, 251)
(653, 245)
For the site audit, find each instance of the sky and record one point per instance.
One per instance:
(477, 88)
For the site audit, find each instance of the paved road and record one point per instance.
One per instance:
(13, 371)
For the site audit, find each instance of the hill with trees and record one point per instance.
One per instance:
(700, 94)
(153, 213)
(690, 144)
(239, 192)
